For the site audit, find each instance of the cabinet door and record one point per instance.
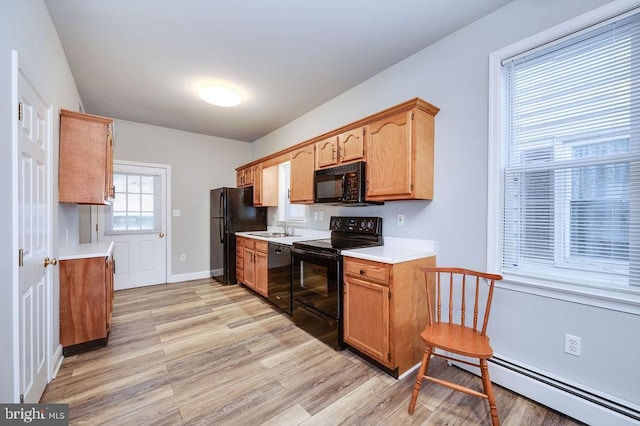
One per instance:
(261, 271)
(83, 295)
(327, 153)
(351, 145)
(249, 268)
(85, 172)
(366, 318)
(389, 157)
(257, 184)
(302, 167)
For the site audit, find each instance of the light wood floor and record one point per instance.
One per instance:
(198, 352)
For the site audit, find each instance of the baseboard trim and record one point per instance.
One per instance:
(562, 397)
(188, 277)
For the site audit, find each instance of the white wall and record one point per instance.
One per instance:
(453, 75)
(198, 163)
(26, 27)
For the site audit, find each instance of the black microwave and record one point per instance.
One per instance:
(341, 184)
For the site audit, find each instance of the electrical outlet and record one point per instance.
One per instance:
(320, 215)
(176, 213)
(572, 345)
(315, 215)
(400, 220)
(183, 257)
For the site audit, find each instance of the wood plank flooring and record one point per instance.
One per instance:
(199, 353)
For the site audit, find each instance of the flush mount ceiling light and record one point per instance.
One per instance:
(220, 95)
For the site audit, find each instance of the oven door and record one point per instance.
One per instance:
(316, 280)
(316, 288)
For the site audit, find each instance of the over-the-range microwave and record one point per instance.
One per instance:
(341, 185)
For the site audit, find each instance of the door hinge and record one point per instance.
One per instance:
(20, 257)
(388, 356)
(412, 115)
(21, 398)
(20, 111)
(410, 187)
(389, 295)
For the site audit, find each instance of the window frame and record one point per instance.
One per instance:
(621, 299)
(157, 205)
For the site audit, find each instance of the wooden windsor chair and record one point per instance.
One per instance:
(456, 335)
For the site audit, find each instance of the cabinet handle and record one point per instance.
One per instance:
(362, 272)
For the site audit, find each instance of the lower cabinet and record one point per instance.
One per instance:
(86, 303)
(385, 310)
(252, 271)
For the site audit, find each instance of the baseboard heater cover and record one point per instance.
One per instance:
(616, 407)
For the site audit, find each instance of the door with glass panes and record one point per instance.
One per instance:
(136, 223)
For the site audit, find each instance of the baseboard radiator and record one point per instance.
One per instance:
(571, 403)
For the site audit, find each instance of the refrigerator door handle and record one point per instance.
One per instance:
(221, 205)
(221, 231)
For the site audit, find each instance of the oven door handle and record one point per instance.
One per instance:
(313, 253)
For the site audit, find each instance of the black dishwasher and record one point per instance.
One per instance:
(279, 278)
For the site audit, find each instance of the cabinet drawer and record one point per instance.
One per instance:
(262, 246)
(239, 263)
(371, 271)
(239, 252)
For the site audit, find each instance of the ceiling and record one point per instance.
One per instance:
(145, 60)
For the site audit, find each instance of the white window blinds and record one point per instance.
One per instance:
(570, 158)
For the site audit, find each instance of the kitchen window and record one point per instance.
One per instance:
(565, 159)
(136, 205)
(289, 212)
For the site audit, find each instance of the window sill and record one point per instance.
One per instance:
(623, 300)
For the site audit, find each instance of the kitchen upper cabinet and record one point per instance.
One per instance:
(244, 177)
(86, 303)
(385, 310)
(302, 168)
(400, 156)
(265, 186)
(341, 149)
(85, 173)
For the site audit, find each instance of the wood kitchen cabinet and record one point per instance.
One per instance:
(254, 265)
(400, 155)
(302, 168)
(85, 173)
(265, 186)
(385, 311)
(240, 259)
(244, 177)
(86, 303)
(341, 149)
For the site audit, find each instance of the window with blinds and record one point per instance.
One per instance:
(570, 158)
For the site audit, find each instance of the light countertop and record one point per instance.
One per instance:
(299, 235)
(82, 251)
(395, 250)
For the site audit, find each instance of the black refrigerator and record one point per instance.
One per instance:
(231, 211)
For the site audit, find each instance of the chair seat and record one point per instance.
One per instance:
(458, 339)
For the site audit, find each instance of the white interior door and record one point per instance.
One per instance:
(34, 206)
(136, 223)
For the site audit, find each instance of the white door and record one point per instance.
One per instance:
(136, 223)
(34, 235)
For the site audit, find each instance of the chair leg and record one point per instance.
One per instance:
(488, 389)
(424, 366)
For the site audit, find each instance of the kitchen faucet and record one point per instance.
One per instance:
(288, 230)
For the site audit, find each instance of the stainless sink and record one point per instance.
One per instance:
(267, 234)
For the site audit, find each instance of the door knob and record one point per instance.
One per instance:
(48, 262)
(162, 235)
